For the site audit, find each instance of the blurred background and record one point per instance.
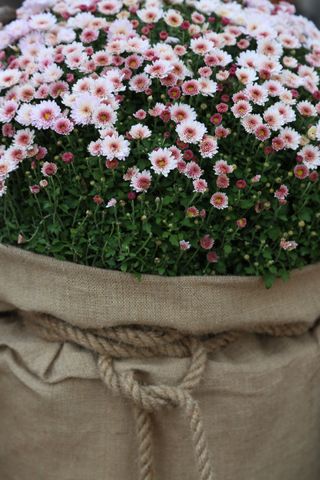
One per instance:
(309, 8)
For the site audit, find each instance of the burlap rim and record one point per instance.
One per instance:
(93, 297)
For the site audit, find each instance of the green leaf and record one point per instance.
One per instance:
(269, 279)
(246, 203)
(306, 214)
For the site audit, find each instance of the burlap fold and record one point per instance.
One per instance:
(259, 396)
(101, 298)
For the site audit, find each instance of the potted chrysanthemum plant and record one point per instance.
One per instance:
(177, 142)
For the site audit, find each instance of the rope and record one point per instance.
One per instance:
(149, 399)
(137, 342)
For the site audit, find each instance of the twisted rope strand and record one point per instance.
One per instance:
(145, 443)
(201, 449)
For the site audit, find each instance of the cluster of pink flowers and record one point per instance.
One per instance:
(74, 62)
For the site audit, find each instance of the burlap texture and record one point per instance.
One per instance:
(259, 397)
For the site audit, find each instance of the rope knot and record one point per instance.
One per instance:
(155, 397)
(151, 398)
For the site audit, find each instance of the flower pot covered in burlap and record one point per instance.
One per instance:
(104, 376)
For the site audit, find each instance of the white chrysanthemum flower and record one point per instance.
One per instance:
(181, 112)
(191, 131)
(83, 108)
(43, 21)
(246, 75)
(310, 156)
(318, 131)
(9, 77)
(115, 147)
(44, 114)
(207, 87)
(162, 161)
(139, 132)
(290, 137)
(120, 29)
(150, 15)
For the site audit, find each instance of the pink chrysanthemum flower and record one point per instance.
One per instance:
(221, 167)
(134, 61)
(109, 7)
(173, 18)
(223, 181)
(282, 192)
(288, 245)
(141, 181)
(9, 77)
(222, 132)
(208, 146)
(273, 118)
(176, 153)
(193, 170)
(58, 89)
(184, 245)
(262, 133)
(207, 242)
(219, 200)
(212, 257)
(241, 109)
(140, 83)
(207, 87)
(200, 185)
(111, 203)
(241, 222)
(63, 126)
(49, 169)
(251, 122)
(246, 75)
(191, 87)
(301, 171)
(140, 114)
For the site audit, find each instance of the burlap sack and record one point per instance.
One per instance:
(259, 396)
